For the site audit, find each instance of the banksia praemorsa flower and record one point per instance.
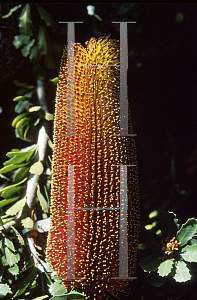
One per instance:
(95, 151)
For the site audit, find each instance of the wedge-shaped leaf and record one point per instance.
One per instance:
(42, 40)
(182, 272)
(42, 200)
(23, 85)
(44, 15)
(35, 108)
(25, 23)
(20, 239)
(21, 98)
(8, 201)
(57, 289)
(4, 290)
(15, 8)
(187, 231)
(20, 40)
(189, 253)
(26, 282)
(49, 117)
(44, 267)
(11, 257)
(36, 168)
(54, 80)
(14, 270)
(150, 263)
(27, 222)
(165, 267)
(26, 49)
(13, 210)
(20, 174)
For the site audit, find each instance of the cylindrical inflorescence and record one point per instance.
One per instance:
(95, 151)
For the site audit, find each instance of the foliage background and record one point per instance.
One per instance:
(161, 90)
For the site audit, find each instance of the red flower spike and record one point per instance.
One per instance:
(96, 181)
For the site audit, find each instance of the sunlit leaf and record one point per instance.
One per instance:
(189, 253)
(13, 210)
(35, 108)
(187, 231)
(42, 200)
(20, 174)
(165, 267)
(8, 201)
(26, 49)
(57, 289)
(54, 80)
(14, 270)
(27, 222)
(182, 272)
(15, 8)
(4, 290)
(25, 22)
(49, 117)
(20, 40)
(36, 168)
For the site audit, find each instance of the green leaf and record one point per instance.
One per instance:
(17, 159)
(21, 98)
(23, 85)
(41, 297)
(8, 190)
(182, 272)
(11, 190)
(54, 80)
(16, 207)
(26, 49)
(189, 253)
(57, 289)
(48, 116)
(25, 23)
(4, 290)
(14, 270)
(187, 231)
(20, 239)
(20, 40)
(11, 257)
(20, 174)
(27, 222)
(44, 267)
(21, 106)
(150, 263)
(1, 268)
(165, 267)
(11, 168)
(35, 54)
(15, 8)
(16, 152)
(8, 201)
(42, 40)
(26, 282)
(70, 296)
(36, 168)
(35, 108)
(50, 144)
(44, 15)
(42, 200)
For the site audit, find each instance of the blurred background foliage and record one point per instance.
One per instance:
(161, 90)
